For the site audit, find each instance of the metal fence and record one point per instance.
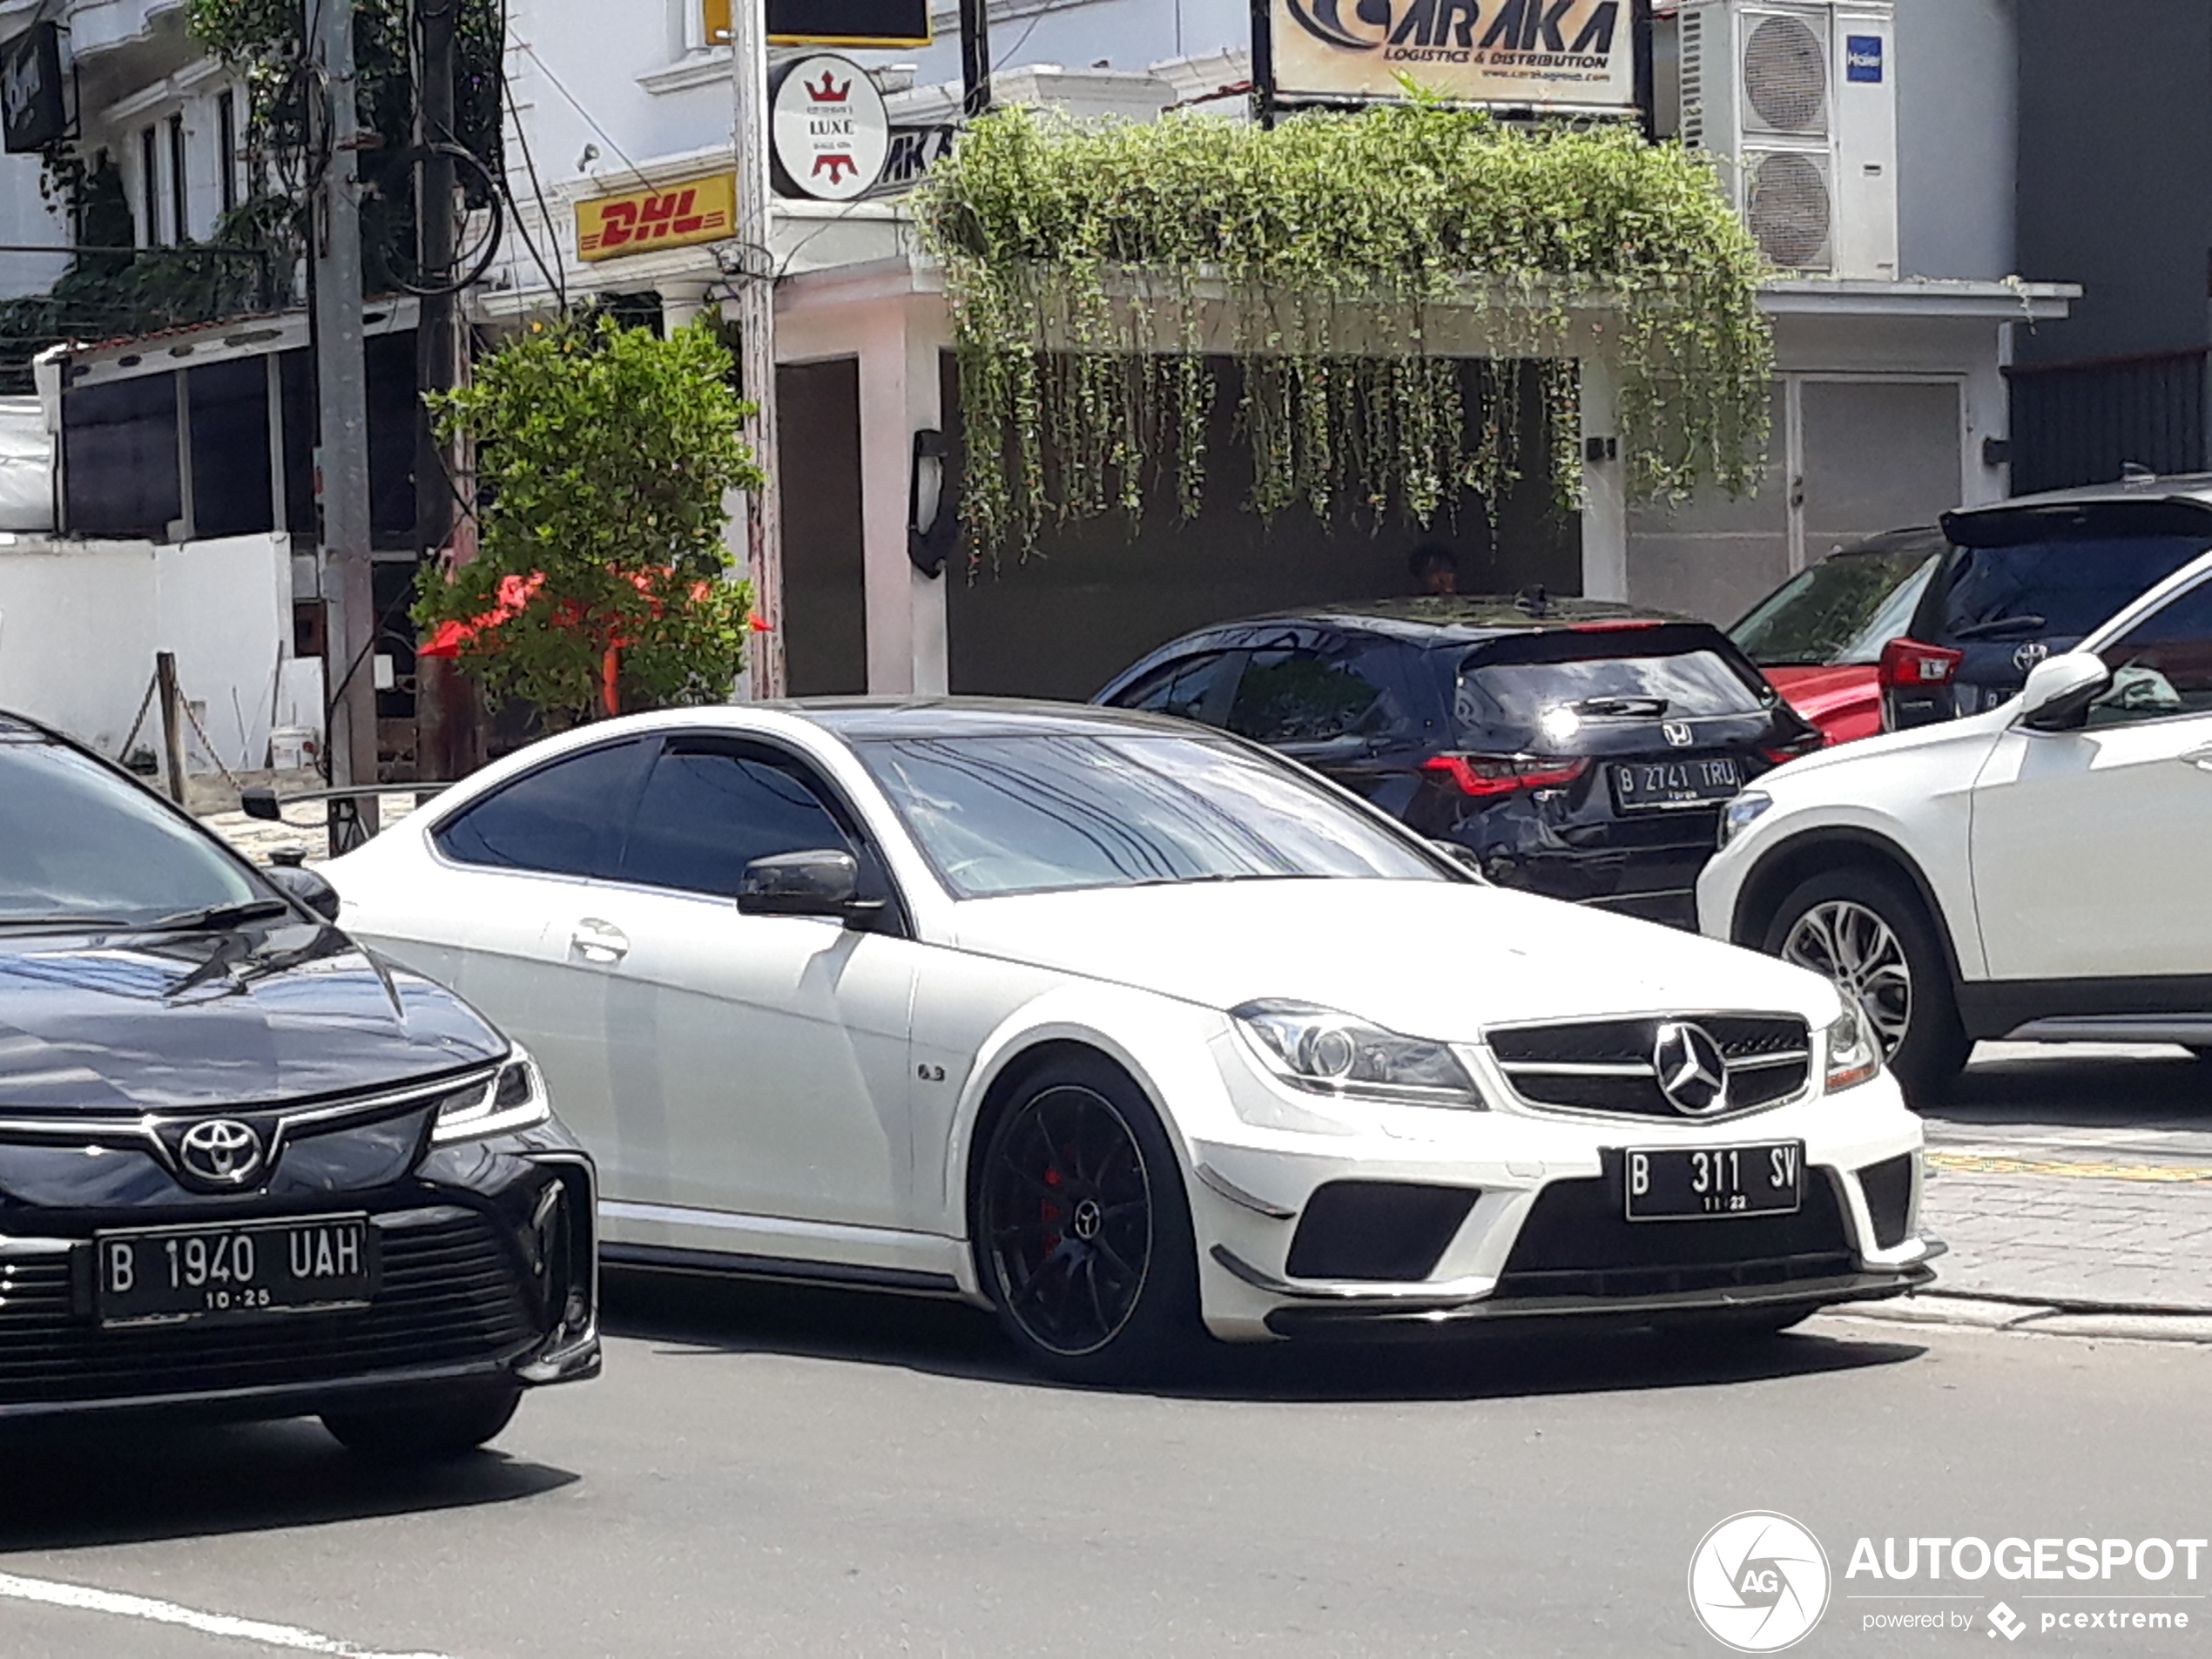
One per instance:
(2082, 423)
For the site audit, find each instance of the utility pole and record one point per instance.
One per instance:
(341, 396)
(975, 57)
(757, 328)
(447, 744)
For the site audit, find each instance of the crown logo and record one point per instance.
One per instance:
(829, 92)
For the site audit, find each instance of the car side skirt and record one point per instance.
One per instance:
(668, 1258)
(2160, 1009)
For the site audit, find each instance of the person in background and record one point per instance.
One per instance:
(1434, 569)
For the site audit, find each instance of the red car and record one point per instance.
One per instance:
(1819, 638)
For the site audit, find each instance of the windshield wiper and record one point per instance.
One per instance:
(221, 915)
(1646, 707)
(34, 923)
(2028, 622)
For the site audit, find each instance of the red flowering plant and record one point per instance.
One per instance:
(601, 581)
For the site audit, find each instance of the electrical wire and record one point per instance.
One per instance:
(555, 277)
(589, 119)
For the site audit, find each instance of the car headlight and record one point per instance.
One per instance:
(512, 1098)
(1739, 814)
(1331, 1053)
(1854, 1052)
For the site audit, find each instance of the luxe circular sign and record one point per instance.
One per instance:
(1758, 1583)
(828, 131)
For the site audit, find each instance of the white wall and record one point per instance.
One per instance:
(80, 622)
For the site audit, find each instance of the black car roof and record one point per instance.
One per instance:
(1456, 618)
(861, 719)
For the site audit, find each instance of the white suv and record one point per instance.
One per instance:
(2041, 870)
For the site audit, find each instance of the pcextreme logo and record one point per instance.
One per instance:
(1536, 34)
(1758, 1583)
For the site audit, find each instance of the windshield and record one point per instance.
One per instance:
(1843, 610)
(2055, 588)
(79, 843)
(1042, 813)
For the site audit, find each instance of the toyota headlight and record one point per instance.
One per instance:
(512, 1098)
(1854, 1052)
(1739, 814)
(1329, 1053)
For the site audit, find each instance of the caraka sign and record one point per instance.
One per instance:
(1532, 54)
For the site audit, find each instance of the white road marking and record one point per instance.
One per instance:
(287, 1636)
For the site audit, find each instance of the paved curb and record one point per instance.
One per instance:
(2060, 1318)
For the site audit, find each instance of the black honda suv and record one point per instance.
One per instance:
(1577, 748)
(245, 1166)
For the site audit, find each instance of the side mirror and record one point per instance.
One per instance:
(296, 882)
(2061, 688)
(258, 800)
(818, 882)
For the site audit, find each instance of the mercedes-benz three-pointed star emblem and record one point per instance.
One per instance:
(1690, 1069)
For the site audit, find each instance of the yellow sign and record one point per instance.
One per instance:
(1540, 54)
(678, 215)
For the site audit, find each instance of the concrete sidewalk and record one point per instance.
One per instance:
(2073, 1182)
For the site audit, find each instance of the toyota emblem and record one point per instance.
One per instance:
(1692, 1073)
(2025, 657)
(221, 1151)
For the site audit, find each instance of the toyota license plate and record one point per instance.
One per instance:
(1655, 785)
(306, 1264)
(1706, 1183)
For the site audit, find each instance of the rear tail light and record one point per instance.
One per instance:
(1908, 664)
(1503, 774)
(1796, 746)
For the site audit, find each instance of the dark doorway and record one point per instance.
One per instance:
(818, 432)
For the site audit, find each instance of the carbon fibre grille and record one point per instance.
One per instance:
(449, 1292)
(1577, 1242)
(1605, 1065)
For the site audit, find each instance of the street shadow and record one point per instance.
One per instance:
(139, 1480)
(2079, 1085)
(707, 1316)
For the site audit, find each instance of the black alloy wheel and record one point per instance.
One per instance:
(425, 1428)
(1865, 930)
(1084, 1232)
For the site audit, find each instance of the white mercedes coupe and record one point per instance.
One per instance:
(1131, 1030)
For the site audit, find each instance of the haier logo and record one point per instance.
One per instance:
(1863, 57)
(1535, 34)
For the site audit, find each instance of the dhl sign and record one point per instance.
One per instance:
(695, 209)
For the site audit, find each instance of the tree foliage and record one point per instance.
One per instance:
(603, 454)
(1091, 265)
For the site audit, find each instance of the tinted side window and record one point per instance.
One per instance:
(564, 818)
(1304, 697)
(711, 808)
(1186, 688)
(2162, 665)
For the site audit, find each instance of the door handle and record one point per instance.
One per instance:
(600, 943)
(2201, 759)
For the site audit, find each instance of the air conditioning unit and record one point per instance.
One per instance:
(1798, 99)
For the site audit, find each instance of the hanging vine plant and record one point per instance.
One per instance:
(1091, 267)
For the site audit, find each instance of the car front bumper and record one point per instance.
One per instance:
(488, 1279)
(1525, 1222)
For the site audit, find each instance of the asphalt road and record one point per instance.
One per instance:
(765, 1472)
